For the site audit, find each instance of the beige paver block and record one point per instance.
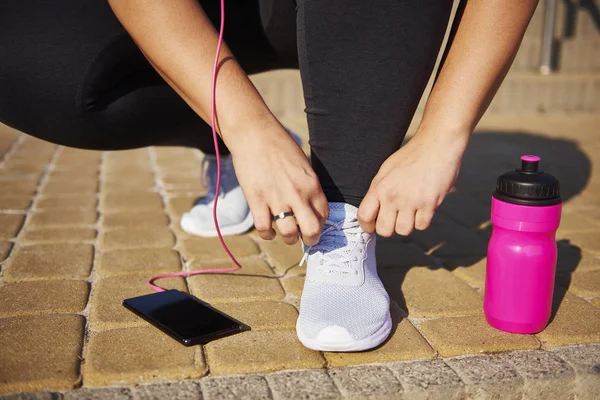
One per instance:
(470, 271)
(293, 285)
(18, 187)
(262, 315)
(58, 235)
(70, 187)
(137, 355)
(5, 248)
(17, 202)
(575, 322)
(596, 301)
(396, 252)
(281, 255)
(20, 166)
(471, 334)
(589, 241)
(250, 266)
(107, 311)
(224, 288)
(132, 261)
(571, 258)
(297, 270)
(432, 293)
(47, 261)
(135, 179)
(40, 352)
(211, 249)
(585, 283)
(134, 220)
(67, 202)
(186, 183)
(39, 297)
(465, 209)
(573, 222)
(10, 224)
(405, 343)
(46, 219)
(73, 175)
(132, 202)
(448, 239)
(179, 205)
(261, 351)
(150, 236)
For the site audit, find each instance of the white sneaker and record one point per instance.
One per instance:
(344, 306)
(233, 212)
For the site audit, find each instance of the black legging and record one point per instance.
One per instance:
(70, 74)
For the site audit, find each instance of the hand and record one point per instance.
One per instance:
(411, 184)
(275, 176)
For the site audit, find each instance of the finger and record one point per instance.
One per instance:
(367, 212)
(321, 208)
(310, 226)
(405, 221)
(262, 221)
(386, 221)
(287, 227)
(423, 218)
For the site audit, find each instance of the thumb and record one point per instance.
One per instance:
(367, 212)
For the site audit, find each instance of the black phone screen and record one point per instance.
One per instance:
(183, 317)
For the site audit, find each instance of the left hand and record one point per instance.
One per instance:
(411, 184)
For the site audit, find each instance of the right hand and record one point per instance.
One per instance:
(275, 176)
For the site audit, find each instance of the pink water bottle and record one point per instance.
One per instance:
(521, 260)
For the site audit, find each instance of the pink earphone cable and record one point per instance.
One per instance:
(216, 142)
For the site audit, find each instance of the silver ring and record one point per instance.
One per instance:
(282, 215)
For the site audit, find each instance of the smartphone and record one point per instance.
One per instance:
(185, 318)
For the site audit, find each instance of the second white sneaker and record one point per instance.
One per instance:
(344, 306)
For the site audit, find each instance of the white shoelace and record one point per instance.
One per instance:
(338, 243)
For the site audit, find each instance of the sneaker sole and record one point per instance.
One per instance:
(237, 229)
(356, 345)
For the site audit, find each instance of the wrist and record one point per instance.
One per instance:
(448, 140)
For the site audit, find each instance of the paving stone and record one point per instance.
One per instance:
(68, 202)
(132, 202)
(303, 385)
(445, 239)
(224, 288)
(293, 285)
(113, 393)
(143, 179)
(150, 236)
(250, 266)
(148, 261)
(586, 284)
(59, 235)
(48, 219)
(472, 335)
(248, 387)
(280, 255)
(396, 252)
(261, 351)
(575, 322)
(184, 390)
(471, 272)
(15, 202)
(179, 205)
(18, 187)
(589, 241)
(431, 293)
(488, 377)
(59, 296)
(5, 248)
(70, 187)
(585, 360)
(187, 183)
(596, 301)
(366, 382)
(428, 380)
(405, 343)
(573, 222)
(571, 258)
(149, 355)
(10, 224)
(107, 311)
(68, 261)
(262, 315)
(30, 396)
(546, 375)
(136, 220)
(40, 352)
(210, 248)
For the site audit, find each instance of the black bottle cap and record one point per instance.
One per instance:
(528, 185)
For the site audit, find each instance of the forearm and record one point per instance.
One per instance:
(180, 42)
(484, 47)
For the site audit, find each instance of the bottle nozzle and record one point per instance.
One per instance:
(530, 163)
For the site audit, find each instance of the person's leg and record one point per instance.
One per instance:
(70, 74)
(364, 67)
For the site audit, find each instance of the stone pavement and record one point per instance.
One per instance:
(81, 230)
